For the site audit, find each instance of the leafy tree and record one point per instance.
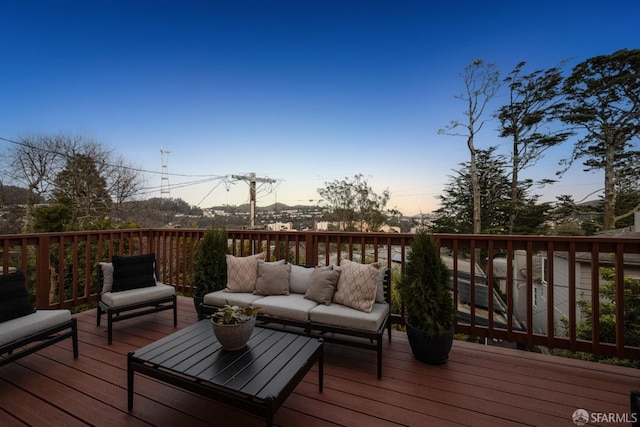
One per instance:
(354, 205)
(607, 310)
(481, 81)
(34, 162)
(533, 100)
(603, 99)
(81, 200)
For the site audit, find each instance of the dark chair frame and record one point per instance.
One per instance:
(44, 338)
(116, 314)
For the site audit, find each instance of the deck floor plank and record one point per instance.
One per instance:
(478, 386)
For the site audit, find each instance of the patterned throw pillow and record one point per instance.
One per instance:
(242, 273)
(357, 285)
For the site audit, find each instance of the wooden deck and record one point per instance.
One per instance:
(479, 386)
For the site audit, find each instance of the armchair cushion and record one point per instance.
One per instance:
(107, 276)
(133, 272)
(14, 297)
(35, 322)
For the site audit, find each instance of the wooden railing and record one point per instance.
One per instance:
(542, 279)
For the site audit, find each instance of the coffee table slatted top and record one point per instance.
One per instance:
(265, 369)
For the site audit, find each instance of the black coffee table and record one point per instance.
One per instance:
(257, 379)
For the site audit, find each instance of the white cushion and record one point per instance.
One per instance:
(220, 298)
(135, 296)
(15, 329)
(242, 272)
(291, 307)
(346, 317)
(299, 279)
(357, 285)
(107, 276)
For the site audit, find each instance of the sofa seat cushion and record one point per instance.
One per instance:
(135, 296)
(291, 307)
(220, 298)
(347, 317)
(21, 327)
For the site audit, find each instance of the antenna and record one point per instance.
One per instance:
(164, 180)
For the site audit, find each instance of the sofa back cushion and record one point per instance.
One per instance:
(357, 285)
(242, 272)
(14, 297)
(299, 279)
(133, 272)
(273, 278)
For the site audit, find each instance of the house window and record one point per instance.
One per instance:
(535, 296)
(544, 274)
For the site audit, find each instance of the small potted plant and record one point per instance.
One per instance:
(233, 325)
(430, 314)
(210, 265)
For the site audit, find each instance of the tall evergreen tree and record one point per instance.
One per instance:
(603, 99)
(533, 100)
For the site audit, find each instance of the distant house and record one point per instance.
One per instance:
(561, 273)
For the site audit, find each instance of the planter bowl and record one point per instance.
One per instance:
(233, 337)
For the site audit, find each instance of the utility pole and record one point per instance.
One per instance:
(164, 180)
(251, 179)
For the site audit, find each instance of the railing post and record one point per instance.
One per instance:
(311, 252)
(42, 272)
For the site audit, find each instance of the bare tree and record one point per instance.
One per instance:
(35, 162)
(481, 81)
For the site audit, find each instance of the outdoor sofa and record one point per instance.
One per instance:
(349, 304)
(25, 330)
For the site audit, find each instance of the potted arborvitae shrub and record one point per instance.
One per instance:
(210, 265)
(430, 314)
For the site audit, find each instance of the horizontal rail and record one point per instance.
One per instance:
(527, 290)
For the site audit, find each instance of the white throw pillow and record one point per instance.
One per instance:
(242, 272)
(357, 285)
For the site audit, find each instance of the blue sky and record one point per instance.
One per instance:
(304, 92)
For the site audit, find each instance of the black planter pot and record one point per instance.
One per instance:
(428, 349)
(197, 300)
